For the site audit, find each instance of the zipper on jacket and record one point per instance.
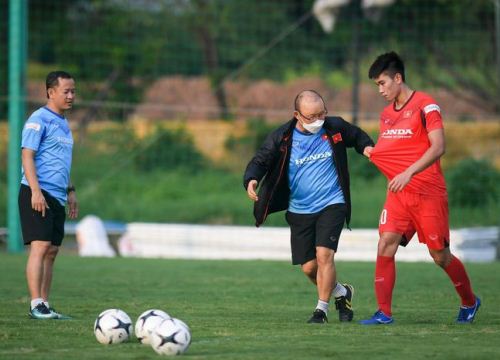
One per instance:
(276, 184)
(339, 170)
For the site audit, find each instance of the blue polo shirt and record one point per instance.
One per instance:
(48, 133)
(312, 176)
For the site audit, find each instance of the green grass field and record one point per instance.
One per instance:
(246, 310)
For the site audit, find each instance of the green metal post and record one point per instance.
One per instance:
(497, 41)
(17, 65)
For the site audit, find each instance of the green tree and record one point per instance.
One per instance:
(449, 43)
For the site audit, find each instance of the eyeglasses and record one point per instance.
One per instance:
(314, 117)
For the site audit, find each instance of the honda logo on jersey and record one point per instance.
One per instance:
(397, 133)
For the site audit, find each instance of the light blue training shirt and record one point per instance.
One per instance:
(312, 176)
(48, 133)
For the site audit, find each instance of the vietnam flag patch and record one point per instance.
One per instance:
(337, 138)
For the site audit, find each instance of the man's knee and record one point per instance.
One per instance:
(441, 258)
(388, 243)
(39, 248)
(324, 256)
(52, 253)
(310, 269)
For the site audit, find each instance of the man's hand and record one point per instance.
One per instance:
(252, 186)
(399, 181)
(38, 202)
(72, 205)
(368, 151)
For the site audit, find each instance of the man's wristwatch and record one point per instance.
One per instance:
(70, 189)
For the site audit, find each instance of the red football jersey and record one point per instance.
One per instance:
(403, 139)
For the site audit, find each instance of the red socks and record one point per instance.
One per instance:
(458, 275)
(385, 278)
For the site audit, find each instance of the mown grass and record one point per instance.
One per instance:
(246, 310)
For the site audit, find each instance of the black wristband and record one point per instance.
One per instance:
(70, 189)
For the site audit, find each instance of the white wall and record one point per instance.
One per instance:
(242, 242)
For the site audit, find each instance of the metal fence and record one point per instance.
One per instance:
(224, 58)
(143, 62)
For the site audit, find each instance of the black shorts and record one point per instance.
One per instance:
(311, 230)
(34, 226)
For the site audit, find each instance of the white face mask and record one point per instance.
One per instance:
(314, 127)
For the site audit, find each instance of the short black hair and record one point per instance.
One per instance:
(52, 79)
(389, 63)
(302, 94)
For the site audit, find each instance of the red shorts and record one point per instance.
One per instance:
(406, 213)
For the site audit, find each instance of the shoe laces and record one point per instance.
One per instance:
(342, 304)
(41, 308)
(319, 314)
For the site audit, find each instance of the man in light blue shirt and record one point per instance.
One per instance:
(313, 180)
(47, 145)
(302, 167)
(316, 207)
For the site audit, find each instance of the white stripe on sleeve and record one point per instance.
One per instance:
(431, 107)
(33, 126)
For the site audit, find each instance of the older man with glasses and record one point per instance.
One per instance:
(302, 167)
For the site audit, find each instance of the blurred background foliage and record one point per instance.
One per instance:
(156, 77)
(117, 48)
(161, 175)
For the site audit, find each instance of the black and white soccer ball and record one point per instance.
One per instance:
(113, 326)
(147, 322)
(171, 337)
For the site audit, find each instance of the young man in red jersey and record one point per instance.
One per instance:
(408, 150)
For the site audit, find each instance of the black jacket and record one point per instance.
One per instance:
(273, 157)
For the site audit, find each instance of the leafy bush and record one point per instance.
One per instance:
(257, 132)
(167, 150)
(361, 167)
(473, 183)
(243, 147)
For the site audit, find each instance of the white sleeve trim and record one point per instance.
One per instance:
(33, 126)
(431, 107)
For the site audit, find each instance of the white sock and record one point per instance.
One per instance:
(46, 303)
(339, 290)
(35, 302)
(322, 305)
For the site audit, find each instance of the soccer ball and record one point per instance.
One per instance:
(147, 322)
(113, 326)
(171, 337)
(182, 323)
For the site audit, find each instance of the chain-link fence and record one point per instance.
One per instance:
(221, 59)
(219, 68)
